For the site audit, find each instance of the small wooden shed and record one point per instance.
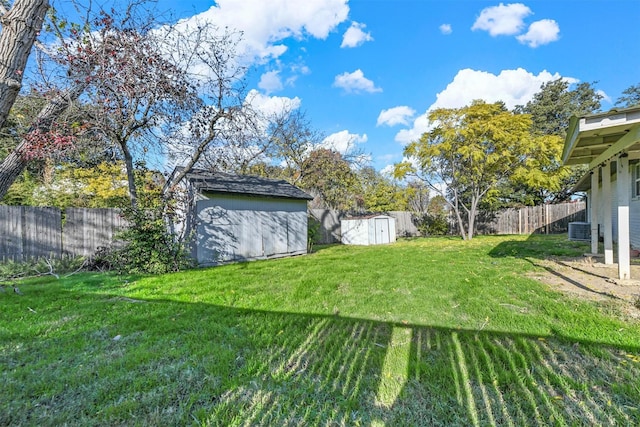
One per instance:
(242, 218)
(368, 230)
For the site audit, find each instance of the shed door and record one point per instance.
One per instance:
(382, 230)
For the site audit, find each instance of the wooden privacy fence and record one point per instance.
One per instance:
(33, 232)
(545, 219)
(548, 219)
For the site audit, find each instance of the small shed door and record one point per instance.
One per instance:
(382, 230)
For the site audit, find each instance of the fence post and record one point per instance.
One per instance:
(546, 218)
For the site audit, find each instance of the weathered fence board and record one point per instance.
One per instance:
(30, 232)
(10, 232)
(529, 220)
(42, 232)
(86, 230)
(405, 226)
(35, 232)
(329, 225)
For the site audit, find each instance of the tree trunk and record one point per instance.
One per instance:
(20, 27)
(131, 178)
(13, 165)
(456, 209)
(471, 215)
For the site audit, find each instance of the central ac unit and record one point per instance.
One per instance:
(579, 231)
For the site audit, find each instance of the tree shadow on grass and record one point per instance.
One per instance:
(96, 359)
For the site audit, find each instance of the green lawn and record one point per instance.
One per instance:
(421, 332)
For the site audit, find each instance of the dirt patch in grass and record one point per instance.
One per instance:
(588, 277)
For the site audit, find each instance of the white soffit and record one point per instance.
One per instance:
(596, 138)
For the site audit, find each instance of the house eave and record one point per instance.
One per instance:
(597, 138)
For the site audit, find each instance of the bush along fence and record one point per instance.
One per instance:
(33, 232)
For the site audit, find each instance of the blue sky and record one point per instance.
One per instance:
(367, 71)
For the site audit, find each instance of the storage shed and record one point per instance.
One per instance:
(241, 218)
(368, 230)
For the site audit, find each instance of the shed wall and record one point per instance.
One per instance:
(367, 231)
(355, 231)
(237, 228)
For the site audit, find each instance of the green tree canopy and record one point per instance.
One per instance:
(470, 151)
(381, 194)
(630, 97)
(552, 107)
(550, 110)
(326, 174)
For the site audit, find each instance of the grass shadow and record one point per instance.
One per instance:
(95, 358)
(539, 246)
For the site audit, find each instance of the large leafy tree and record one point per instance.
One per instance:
(630, 97)
(151, 91)
(101, 186)
(44, 136)
(381, 194)
(468, 152)
(551, 109)
(133, 90)
(328, 176)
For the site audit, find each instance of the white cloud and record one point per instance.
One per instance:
(355, 35)
(270, 82)
(540, 33)
(420, 126)
(355, 82)
(269, 23)
(502, 19)
(269, 105)
(388, 171)
(513, 87)
(445, 29)
(300, 69)
(604, 95)
(343, 142)
(395, 116)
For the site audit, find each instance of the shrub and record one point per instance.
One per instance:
(432, 225)
(148, 245)
(313, 233)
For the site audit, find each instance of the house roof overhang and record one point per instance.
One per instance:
(595, 139)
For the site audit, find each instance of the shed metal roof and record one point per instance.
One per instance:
(225, 183)
(367, 216)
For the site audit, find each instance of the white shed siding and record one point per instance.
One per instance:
(375, 230)
(233, 228)
(355, 232)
